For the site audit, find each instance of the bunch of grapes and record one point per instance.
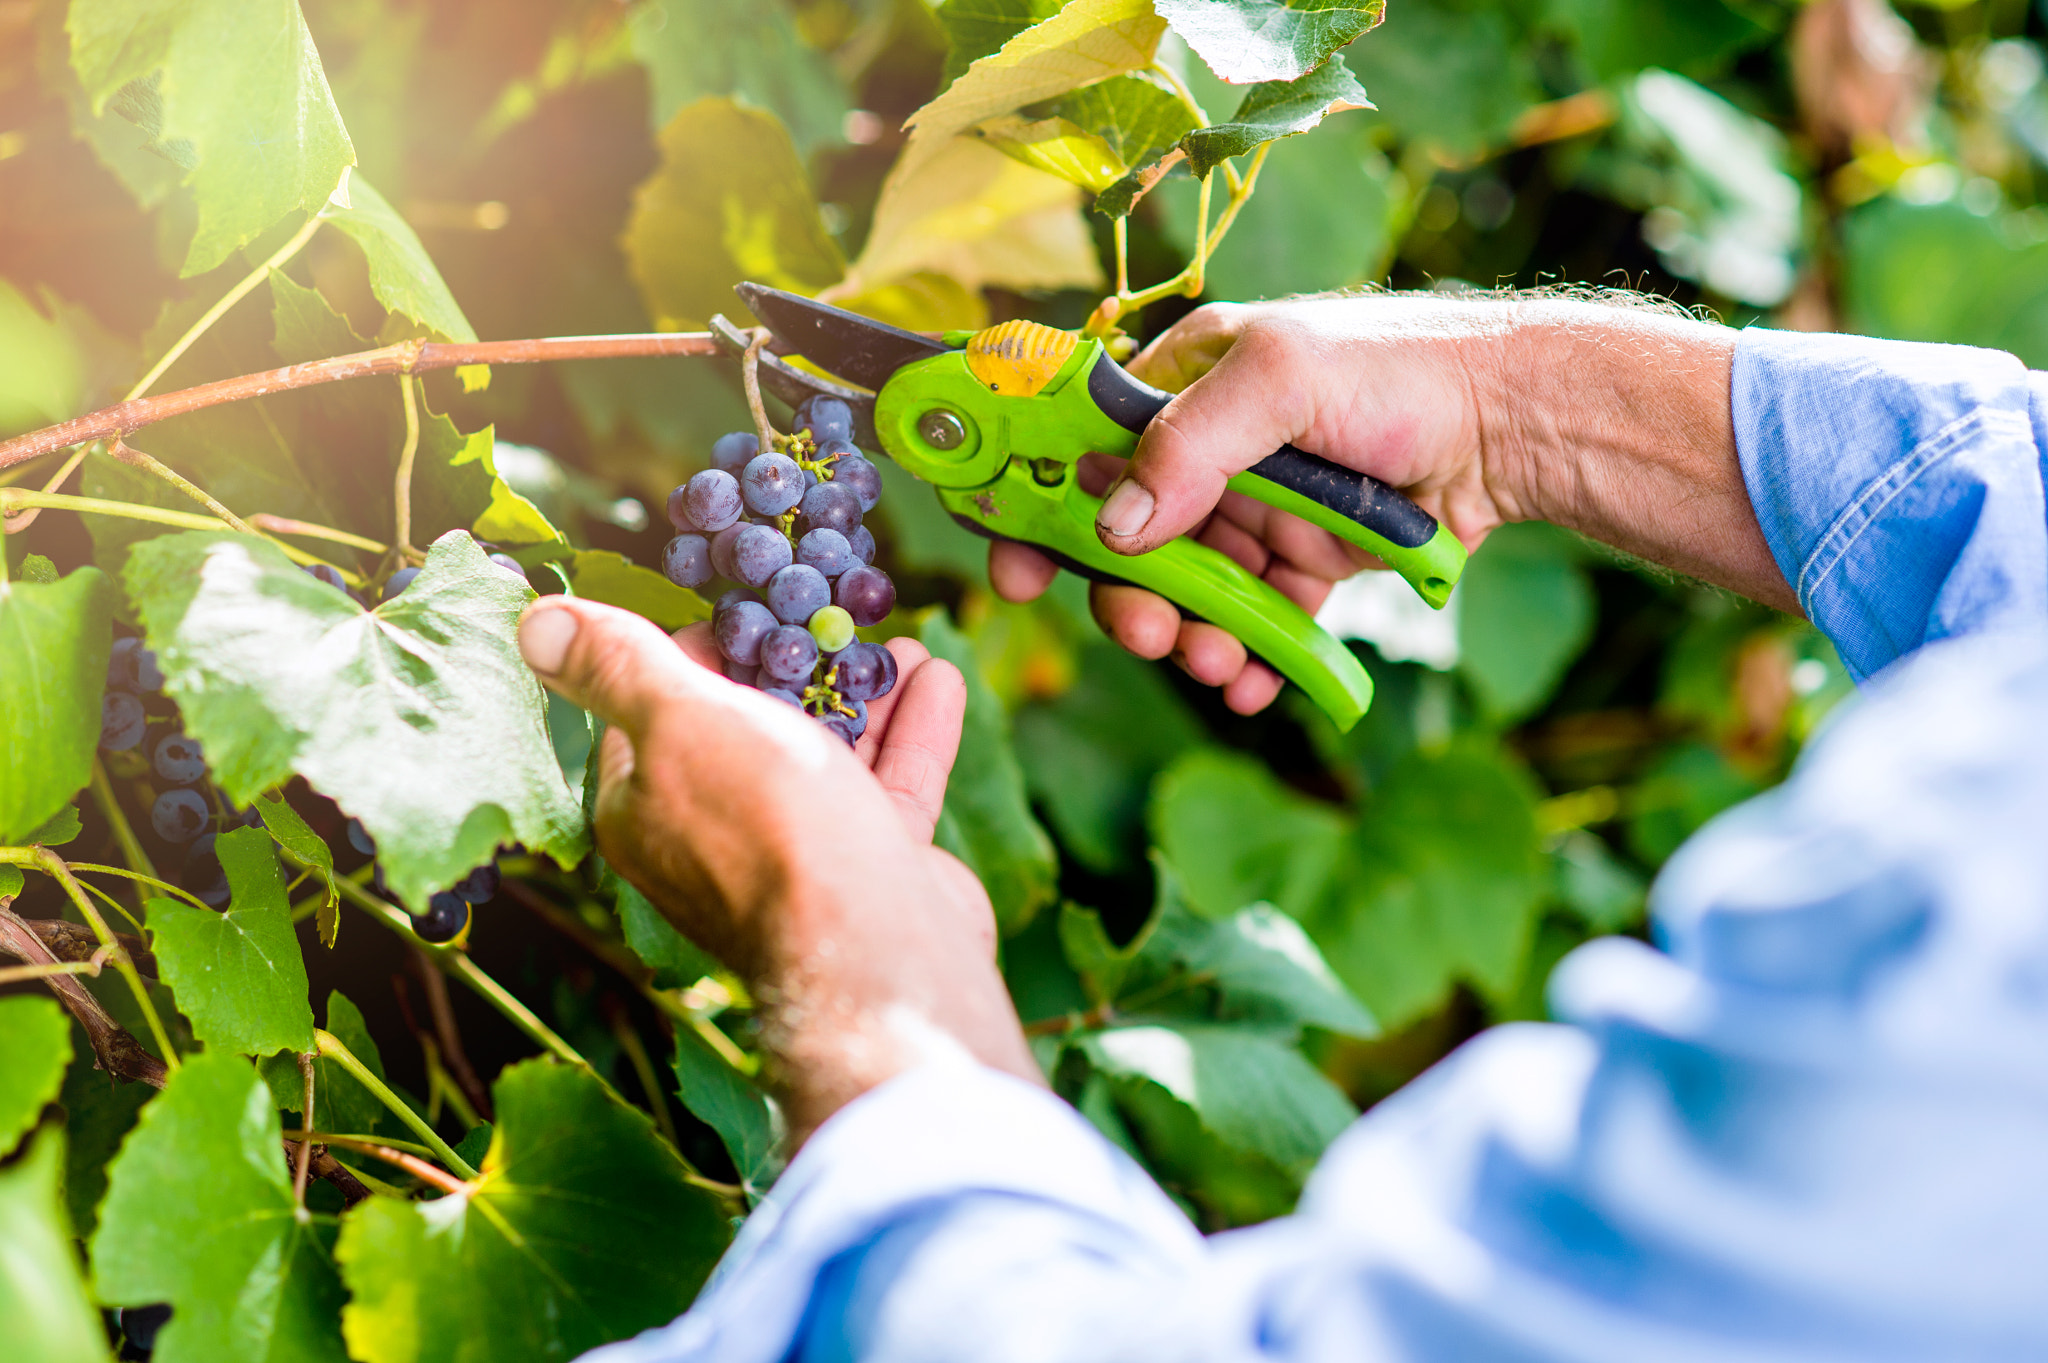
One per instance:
(785, 525)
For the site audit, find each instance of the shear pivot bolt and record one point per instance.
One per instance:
(941, 429)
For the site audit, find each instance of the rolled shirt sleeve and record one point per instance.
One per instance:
(1899, 485)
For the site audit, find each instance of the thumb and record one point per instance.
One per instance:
(1245, 408)
(613, 663)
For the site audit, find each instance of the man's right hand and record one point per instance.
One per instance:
(1611, 420)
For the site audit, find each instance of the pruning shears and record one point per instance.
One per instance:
(996, 420)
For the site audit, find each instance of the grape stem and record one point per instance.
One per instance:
(17, 974)
(402, 493)
(750, 377)
(124, 833)
(412, 1164)
(305, 1160)
(406, 357)
(135, 458)
(331, 1047)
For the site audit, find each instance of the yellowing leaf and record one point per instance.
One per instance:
(1057, 147)
(926, 301)
(973, 213)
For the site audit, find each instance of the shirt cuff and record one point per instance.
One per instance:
(935, 1134)
(1899, 485)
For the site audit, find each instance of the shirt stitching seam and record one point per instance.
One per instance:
(1861, 514)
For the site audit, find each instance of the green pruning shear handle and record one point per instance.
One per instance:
(996, 420)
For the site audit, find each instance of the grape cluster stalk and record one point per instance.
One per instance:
(784, 526)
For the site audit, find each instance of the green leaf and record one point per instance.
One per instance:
(233, 91)
(54, 639)
(42, 367)
(10, 883)
(247, 1281)
(61, 828)
(1089, 757)
(35, 1037)
(1442, 880)
(987, 820)
(1252, 1092)
(1237, 836)
(1136, 116)
(694, 48)
(582, 1230)
(1938, 272)
(1276, 109)
(1525, 609)
(340, 1102)
(45, 1314)
(1429, 46)
(1265, 40)
(1688, 785)
(1100, 963)
(99, 1112)
(1615, 37)
(1606, 894)
(675, 960)
(36, 568)
(292, 833)
(1057, 147)
(238, 975)
(978, 28)
(601, 575)
(402, 274)
(729, 1103)
(729, 203)
(418, 718)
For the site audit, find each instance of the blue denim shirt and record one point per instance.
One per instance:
(1812, 1126)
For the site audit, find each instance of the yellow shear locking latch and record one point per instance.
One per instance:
(1017, 359)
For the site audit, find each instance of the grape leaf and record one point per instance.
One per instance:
(99, 1111)
(726, 1101)
(42, 369)
(1245, 41)
(36, 1039)
(1525, 609)
(54, 640)
(1938, 272)
(1618, 37)
(291, 832)
(1254, 1093)
(247, 1281)
(340, 1102)
(1136, 116)
(582, 1230)
(601, 575)
(1237, 836)
(420, 718)
(1429, 46)
(61, 828)
(693, 48)
(402, 275)
(234, 92)
(238, 975)
(45, 1315)
(1060, 148)
(982, 218)
(675, 960)
(977, 28)
(10, 883)
(1276, 109)
(987, 820)
(729, 203)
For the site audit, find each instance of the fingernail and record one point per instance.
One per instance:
(1126, 510)
(544, 638)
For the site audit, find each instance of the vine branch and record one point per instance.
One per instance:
(331, 1047)
(402, 493)
(407, 357)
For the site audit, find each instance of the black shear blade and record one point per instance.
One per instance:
(795, 387)
(853, 347)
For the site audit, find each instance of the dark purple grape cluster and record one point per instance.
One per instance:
(785, 525)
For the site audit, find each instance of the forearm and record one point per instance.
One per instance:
(1615, 422)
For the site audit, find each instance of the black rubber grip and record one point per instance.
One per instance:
(1357, 496)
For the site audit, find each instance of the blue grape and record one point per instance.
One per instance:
(479, 885)
(826, 418)
(759, 554)
(826, 550)
(862, 542)
(510, 565)
(859, 719)
(745, 676)
(178, 815)
(121, 721)
(772, 484)
(866, 594)
(798, 592)
(864, 671)
(203, 874)
(360, 839)
(734, 451)
(446, 916)
(854, 471)
(713, 499)
(739, 632)
(179, 759)
(678, 509)
(733, 598)
(783, 693)
(140, 1324)
(844, 727)
(829, 506)
(687, 561)
(328, 573)
(788, 653)
(399, 581)
(721, 550)
(131, 667)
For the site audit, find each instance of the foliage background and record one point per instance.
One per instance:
(1227, 934)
